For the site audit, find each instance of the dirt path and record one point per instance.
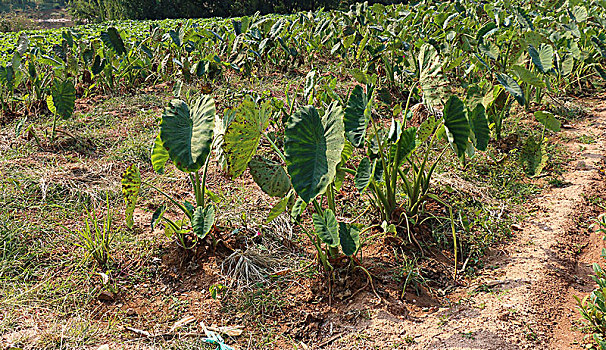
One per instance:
(526, 300)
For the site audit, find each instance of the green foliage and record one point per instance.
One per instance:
(243, 135)
(96, 236)
(112, 39)
(327, 228)
(159, 155)
(187, 134)
(63, 98)
(270, 176)
(593, 307)
(203, 220)
(313, 147)
(457, 126)
(357, 114)
(159, 9)
(534, 156)
(131, 185)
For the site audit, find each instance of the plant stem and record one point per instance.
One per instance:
(275, 147)
(454, 241)
(54, 129)
(204, 181)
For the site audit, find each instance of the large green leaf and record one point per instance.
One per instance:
(349, 235)
(64, 97)
(479, 126)
(542, 58)
(131, 184)
(406, 144)
(430, 75)
(187, 134)
(270, 176)
(313, 148)
(456, 124)
(310, 85)
(512, 87)
(355, 118)
(528, 77)
(243, 135)
(159, 155)
(327, 228)
(548, 119)
(566, 65)
(98, 65)
(534, 156)
(579, 13)
(363, 175)
(298, 208)
(427, 128)
(203, 220)
(112, 39)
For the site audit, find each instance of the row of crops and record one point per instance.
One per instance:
(469, 63)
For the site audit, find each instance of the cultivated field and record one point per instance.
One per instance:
(426, 176)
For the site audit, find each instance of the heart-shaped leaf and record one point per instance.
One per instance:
(355, 119)
(187, 134)
(203, 220)
(243, 135)
(364, 174)
(542, 58)
(405, 145)
(528, 77)
(64, 97)
(479, 126)
(159, 155)
(349, 236)
(112, 39)
(456, 124)
(548, 119)
(313, 148)
(512, 87)
(270, 176)
(327, 228)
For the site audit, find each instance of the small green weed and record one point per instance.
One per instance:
(96, 236)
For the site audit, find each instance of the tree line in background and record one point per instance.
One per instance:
(102, 10)
(13, 5)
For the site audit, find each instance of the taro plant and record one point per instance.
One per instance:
(534, 153)
(186, 137)
(593, 306)
(61, 102)
(305, 172)
(398, 160)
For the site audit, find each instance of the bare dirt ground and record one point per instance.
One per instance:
(524, 299)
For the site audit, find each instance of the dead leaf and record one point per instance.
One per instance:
(232, 331)
(182, 322)
(103, 347)
(138, 331)
(104, 277)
